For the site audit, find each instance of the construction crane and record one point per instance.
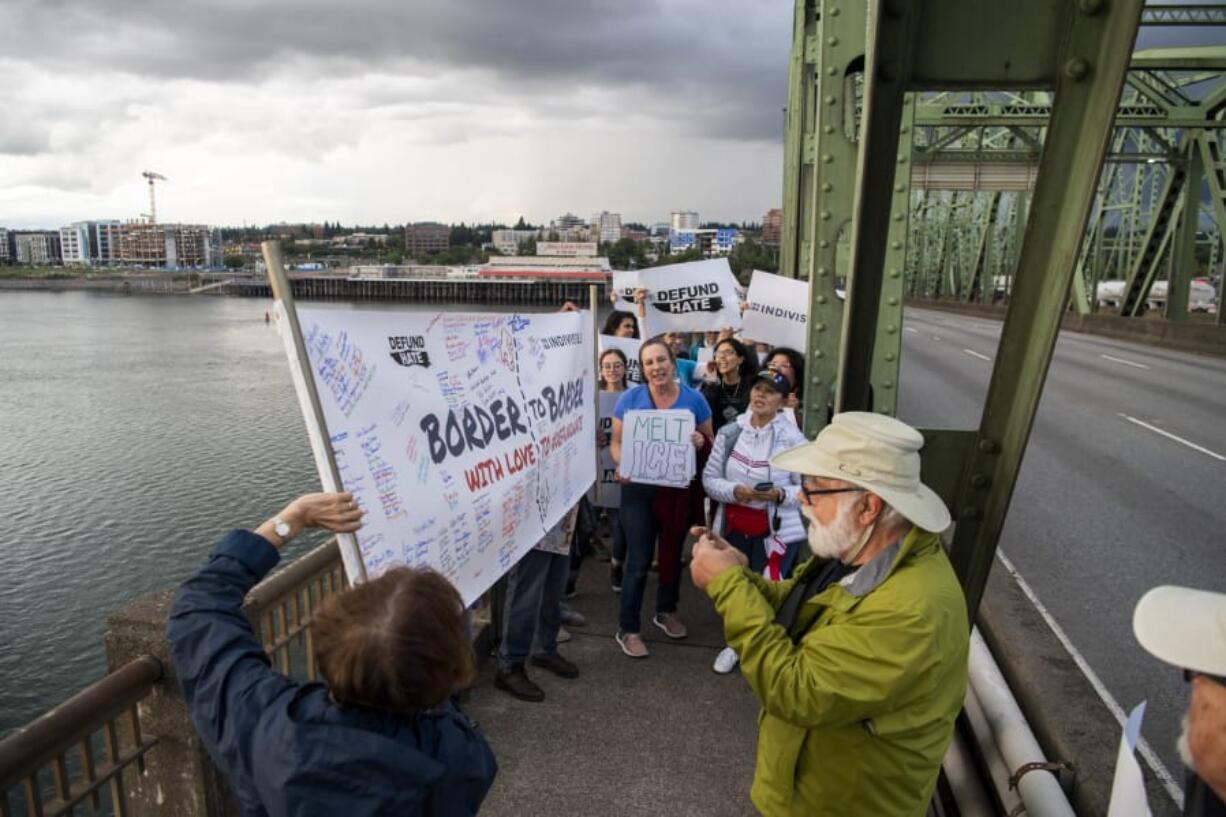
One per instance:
(151, 176)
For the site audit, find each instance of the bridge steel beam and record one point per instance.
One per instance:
(799, 138)
(1145, 266)
(879, 204)
(1183, 247)
(836, 50)
(1213, 159)
(1089, 77)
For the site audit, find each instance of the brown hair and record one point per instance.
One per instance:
(658, 340)
(396, 643)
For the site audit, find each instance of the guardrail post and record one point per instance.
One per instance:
(180, 778)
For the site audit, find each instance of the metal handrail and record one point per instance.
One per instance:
(323, 559)
(47, 741)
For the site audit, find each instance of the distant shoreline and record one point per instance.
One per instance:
(148, 284)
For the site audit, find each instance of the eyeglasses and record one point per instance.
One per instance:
(812, 492)
(1189, 674)
(725, 354)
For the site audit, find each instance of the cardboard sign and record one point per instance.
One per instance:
(465, 437)
(656, 447)
(610, 493)
(630, 348)
(778, 311)
(693, 297)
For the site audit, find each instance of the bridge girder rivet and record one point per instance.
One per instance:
(1076, 69)
(988, 446)
(1089, 7)
(980, 481)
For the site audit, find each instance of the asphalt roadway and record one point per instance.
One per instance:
(1123, 487)
(1106, 507)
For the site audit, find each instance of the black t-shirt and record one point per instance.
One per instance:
(1200, 801)
(726, 402)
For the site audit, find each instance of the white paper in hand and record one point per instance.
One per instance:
(1128, 789)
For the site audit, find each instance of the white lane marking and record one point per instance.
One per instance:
(1147, 752)
(936, 337)
(1125, 362)
(973, 353)
(913, 331)
(1165, 433)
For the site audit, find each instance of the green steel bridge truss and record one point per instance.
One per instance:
(957, 147)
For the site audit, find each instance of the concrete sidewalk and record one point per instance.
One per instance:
(663, 735)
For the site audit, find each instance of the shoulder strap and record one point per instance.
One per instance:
(731, 433)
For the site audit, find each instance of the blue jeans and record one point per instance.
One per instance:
(641, 529)
(619, 536)
(533, 607)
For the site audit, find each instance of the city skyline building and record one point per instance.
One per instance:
(6, 250)
(74, 244)
(37, 248)
(171, 246)
(772, 227)
(507, 241)
(607, 226)
(426, 237)
(681, 220)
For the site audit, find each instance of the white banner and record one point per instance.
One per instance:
(610, 494)
(697, 296)
(656, 447)
(630, 348)
(625, 282)
(464, 437)
(778, 311)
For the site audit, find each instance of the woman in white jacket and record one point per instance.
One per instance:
(759, 506)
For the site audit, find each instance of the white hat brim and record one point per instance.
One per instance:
(1183, 627)
(923, 507)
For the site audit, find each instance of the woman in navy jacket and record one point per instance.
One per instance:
(383, 737)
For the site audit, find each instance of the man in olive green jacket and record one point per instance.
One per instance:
(860, 660)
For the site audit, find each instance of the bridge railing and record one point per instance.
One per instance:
(73, 758)
(56, 760)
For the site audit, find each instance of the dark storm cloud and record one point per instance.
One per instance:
(718, 67)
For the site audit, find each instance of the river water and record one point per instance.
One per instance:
(134, 431)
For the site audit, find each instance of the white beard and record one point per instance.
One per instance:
(833, 541)
(1185, 752)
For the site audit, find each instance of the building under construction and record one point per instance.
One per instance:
(170, 246)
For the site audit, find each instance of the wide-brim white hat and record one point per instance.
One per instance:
(877, 453)
(1183, 627)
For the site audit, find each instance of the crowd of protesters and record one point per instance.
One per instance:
(821, 557)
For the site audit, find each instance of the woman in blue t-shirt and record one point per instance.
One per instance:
(649, 512)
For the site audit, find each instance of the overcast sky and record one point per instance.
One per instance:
(387, 111)
(391, 110)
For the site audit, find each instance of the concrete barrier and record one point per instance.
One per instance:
(1197, 336)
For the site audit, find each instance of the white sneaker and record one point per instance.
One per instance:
(563, 635)
(726, 661)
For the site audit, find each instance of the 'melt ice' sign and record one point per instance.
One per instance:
(656, 447)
